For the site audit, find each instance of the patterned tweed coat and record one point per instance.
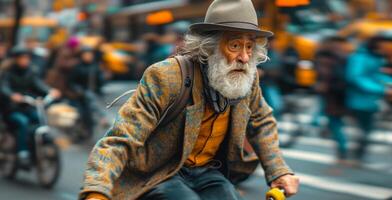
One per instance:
(135, 155)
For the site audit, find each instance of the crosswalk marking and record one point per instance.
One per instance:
(378, 136)
(375, 136)
(327, 159)
(328, 143)
(328, 184)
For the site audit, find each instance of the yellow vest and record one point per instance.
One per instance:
(212, 132)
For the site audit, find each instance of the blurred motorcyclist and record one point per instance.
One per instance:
(17, 81)
(367, 84)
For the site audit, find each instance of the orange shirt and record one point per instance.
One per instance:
(96, 195)
(212, 132)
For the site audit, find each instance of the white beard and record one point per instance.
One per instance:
(229, 83)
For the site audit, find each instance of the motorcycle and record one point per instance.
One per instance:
(67, 119)
(45, 153)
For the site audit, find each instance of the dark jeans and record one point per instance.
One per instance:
(336, 126)
(365, 122)
(21, 122)
(85, 112)
(194, 184)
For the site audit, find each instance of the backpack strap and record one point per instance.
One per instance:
(187, 72)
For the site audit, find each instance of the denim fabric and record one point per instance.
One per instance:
(194, 184)
(365, 122)
(21, 121)
(336, 126)
(273, 96)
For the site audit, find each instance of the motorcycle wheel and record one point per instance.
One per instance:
(8, 157)
(48, 163)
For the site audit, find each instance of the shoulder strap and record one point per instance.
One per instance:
(187, 71)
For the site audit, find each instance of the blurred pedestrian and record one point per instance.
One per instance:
(3, 51)
(88, 72)
(367, 85)
(178, 30)
(330, 62)
(159, 47)
(290, 58)
(270, 74)
(192, 156)
(74, 77)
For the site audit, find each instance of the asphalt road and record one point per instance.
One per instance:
(312, 158)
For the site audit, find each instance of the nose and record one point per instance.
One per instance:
(243, 56)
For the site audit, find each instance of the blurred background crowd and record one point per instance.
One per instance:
(328, 79)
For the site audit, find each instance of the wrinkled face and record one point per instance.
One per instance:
(237, 46)
(232, 67)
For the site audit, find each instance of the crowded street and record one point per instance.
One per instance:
(196, 100)
(312, 159)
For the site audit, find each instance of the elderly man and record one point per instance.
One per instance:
(195, 155)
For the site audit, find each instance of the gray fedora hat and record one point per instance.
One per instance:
(230, 15)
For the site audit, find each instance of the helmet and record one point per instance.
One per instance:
(19, 50)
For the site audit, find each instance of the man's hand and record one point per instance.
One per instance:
(289, 183)
(17, 98)
(55, 93)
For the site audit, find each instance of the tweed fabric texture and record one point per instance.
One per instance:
(135, 155)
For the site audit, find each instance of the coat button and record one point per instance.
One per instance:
(188, 82)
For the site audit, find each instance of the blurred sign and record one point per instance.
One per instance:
(292, 3)
(67, 17)
(161, 17)
(62, 4)
(30, 21)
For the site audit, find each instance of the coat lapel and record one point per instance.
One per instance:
(240, 114)
(194, 114)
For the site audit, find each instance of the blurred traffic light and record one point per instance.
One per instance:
(292, 3)
(158, 18)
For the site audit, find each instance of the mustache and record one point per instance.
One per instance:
(237, 66)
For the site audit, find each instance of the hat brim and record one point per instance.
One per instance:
(201, 28)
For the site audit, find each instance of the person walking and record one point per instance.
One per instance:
(367, 85)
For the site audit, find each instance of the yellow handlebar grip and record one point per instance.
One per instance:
(275, 194)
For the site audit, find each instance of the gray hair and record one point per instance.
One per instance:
(200, 47)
